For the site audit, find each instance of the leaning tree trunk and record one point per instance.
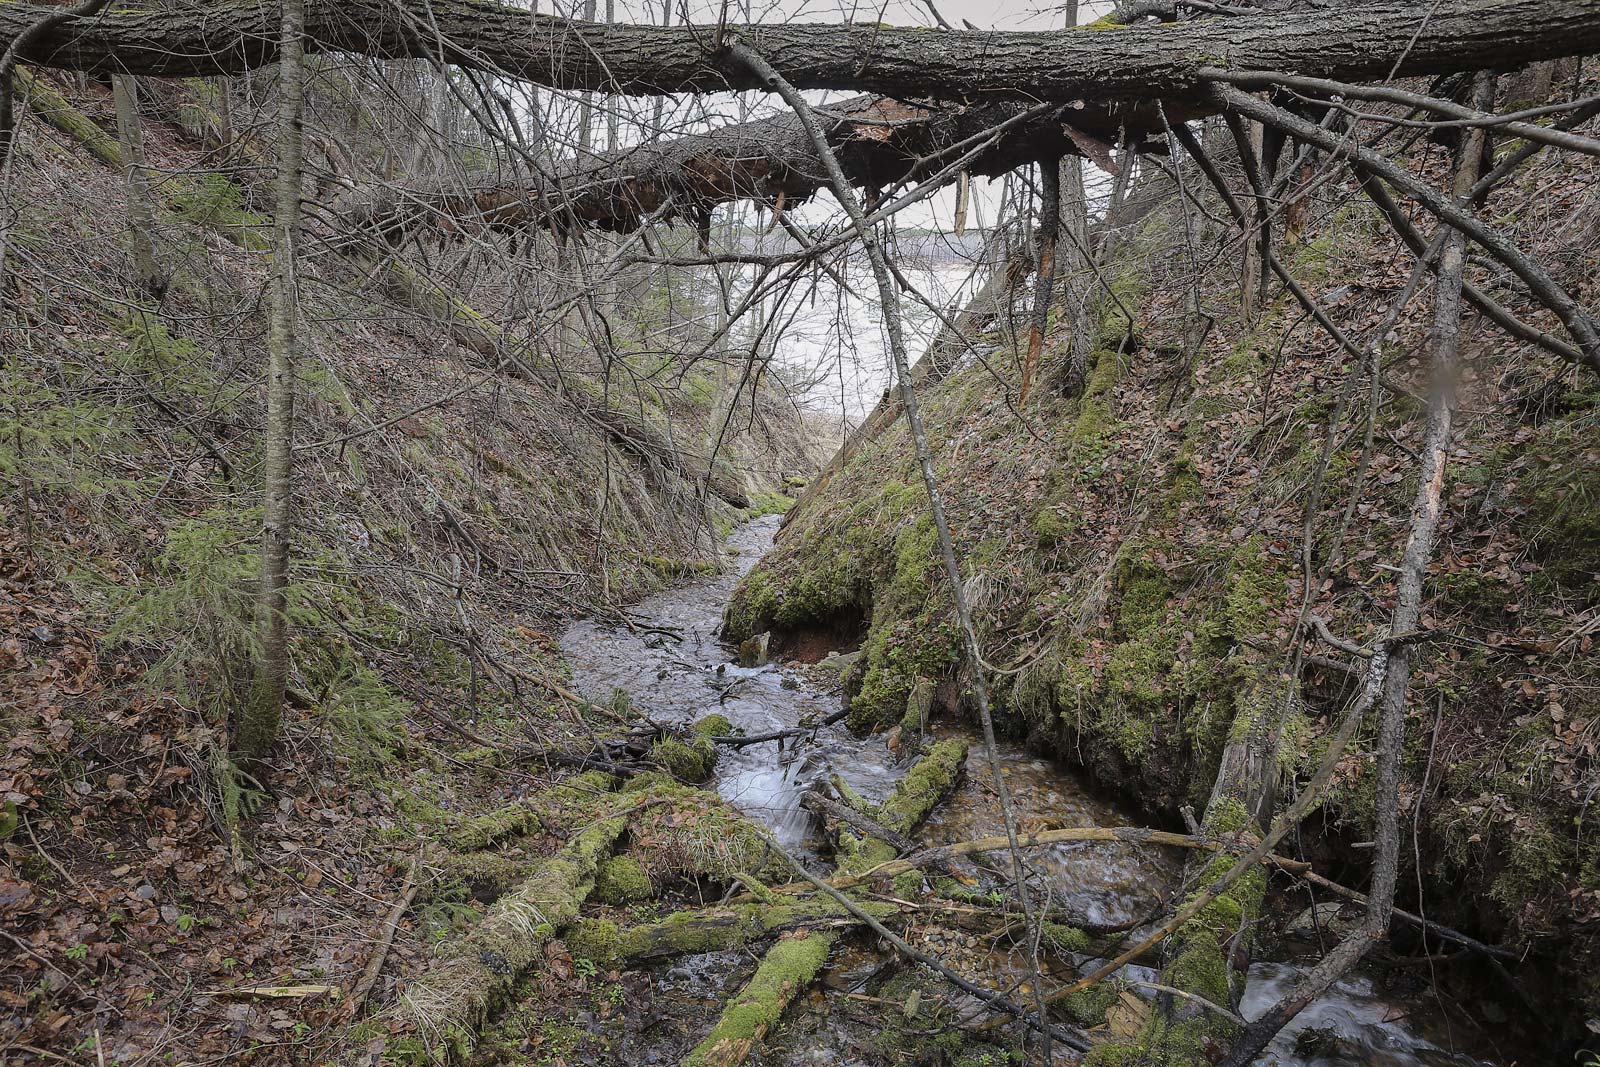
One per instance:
(942, 353)
(141, 219)
(258, 728)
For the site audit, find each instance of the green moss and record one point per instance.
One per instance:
(1198, 962)
(217, 203)
(447, 1004)
(919, 711)
(1183, 487)
(54, 110)
(1476, 591)
(694, 757)
(622, 880)
(1114, 1055)
(486, 875)
(908, 885)
(552, 809)
(690, 761)
(1535, 857)
(1142, 588)
(1088, 1007)
(713, 929)
(1096, 422)
(1062, 938)
(788, 967)
(768, 502)
(928, 781)
(1562, 496)
(753, 605)
(1255, 586)
(599, 940)
(692, 833)
(716, 725)
(1051, 527)
(917, 1027)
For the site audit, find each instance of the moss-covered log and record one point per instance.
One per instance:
(788, 968)
(54, 110)
(211, 200)
(486, 875)
(682, 832)
(930, 779)
(556, 808)
(444, 1009)
(723, 929)
(622, 880)
(791, 963)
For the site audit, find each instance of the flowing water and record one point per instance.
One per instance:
(675, 668)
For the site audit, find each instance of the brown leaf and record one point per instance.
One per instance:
(1096, 150)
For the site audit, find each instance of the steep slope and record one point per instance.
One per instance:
(461, 491)
(1138, 555)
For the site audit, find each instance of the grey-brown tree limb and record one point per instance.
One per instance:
(1377, 40)
(1108, 81)
(879, 142)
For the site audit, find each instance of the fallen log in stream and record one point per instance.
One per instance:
(445, 1008)
(790, 965)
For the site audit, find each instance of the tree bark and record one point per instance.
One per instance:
(141, 218)
(445, 1006)
(260, 723)
(1044, 285)
(879, 142)
(1381, 39)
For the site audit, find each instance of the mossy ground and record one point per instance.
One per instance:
(130, 457)
(1136, 560)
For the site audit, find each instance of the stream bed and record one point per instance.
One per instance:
(676, 668)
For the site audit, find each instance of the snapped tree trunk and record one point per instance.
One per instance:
(446, 1005)
(262, 718)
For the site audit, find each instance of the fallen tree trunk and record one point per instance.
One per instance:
(707, 930)
(1196, 1011)
(643, 441)
(446, 1007)
(551, 808)
(788, 968)
(880, 142)
(1383, 39)
(1118, 83)
(791, 964)
(928, 781)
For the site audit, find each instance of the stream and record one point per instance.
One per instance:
(677, 670)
